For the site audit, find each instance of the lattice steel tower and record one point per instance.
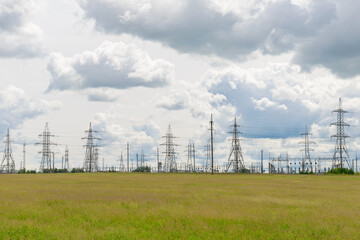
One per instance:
(208, 158)
(170, 154)
(121, 163)
(47, 159)
(91, 154)
(8, 164)
(341, 154)
(142, 159)
(191, 157)
(66, 161)
(235, 160)
(306, 159)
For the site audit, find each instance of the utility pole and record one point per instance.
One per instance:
(127, 156)
(157, 156)
(24, 166)
(341, 153)
(235, 159)
(306, 160)
(142, 159)
(47, 159)
(137, 160)
(8, 161)
(262, 161)
(356, 163)
(212, 144)
(193, 155)
(91, 154)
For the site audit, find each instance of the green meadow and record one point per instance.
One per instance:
(179, 206)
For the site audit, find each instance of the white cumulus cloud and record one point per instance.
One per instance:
(16, 107)
(112, 65)
(19, 36)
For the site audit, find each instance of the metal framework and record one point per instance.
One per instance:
(235, 160)
(66, 160)
(341, 154)
(47, 158)
(170, 154)
(92, 151)
(306, 165)
(8, 164)
(121, 163)
(207, 167)
(142, 159)
(24, 157)
(190, 149)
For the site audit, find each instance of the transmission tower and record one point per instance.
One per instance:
(340, 153)
(142, 159)
(306, 159)
(91, 154)
(170, 154)
(190, 157)
(96, 158)
(121, 163)
(66, 161)
(158, 159)
(235, 160)
(24, 155)
(208, 157)
(8, 164)
(47, 159)
(212, 143)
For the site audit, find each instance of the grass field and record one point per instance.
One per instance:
(179, 206)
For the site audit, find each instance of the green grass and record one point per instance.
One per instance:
(179, 206)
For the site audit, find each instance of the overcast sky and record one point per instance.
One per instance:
(134, 67)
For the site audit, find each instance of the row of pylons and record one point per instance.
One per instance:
(235, 162)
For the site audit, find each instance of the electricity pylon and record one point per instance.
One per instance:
(47, 158)
(121, 163)
(8, 164)
(91, 154)
(235, 160)
(142, 159)
(306, 159)
(190, 157)
(208, 158)
(66, 161)
(170, 154)
(341, 154)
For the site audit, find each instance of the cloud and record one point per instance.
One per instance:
(265, 103)
(195, 98)
(16, 107)
(228, 29)
(19, 37)
(111, 65)
(319, 33)
(336, 46)
(102, 95)
(279, 100)
(115, 136)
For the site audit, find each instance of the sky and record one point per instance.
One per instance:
(134, 67)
